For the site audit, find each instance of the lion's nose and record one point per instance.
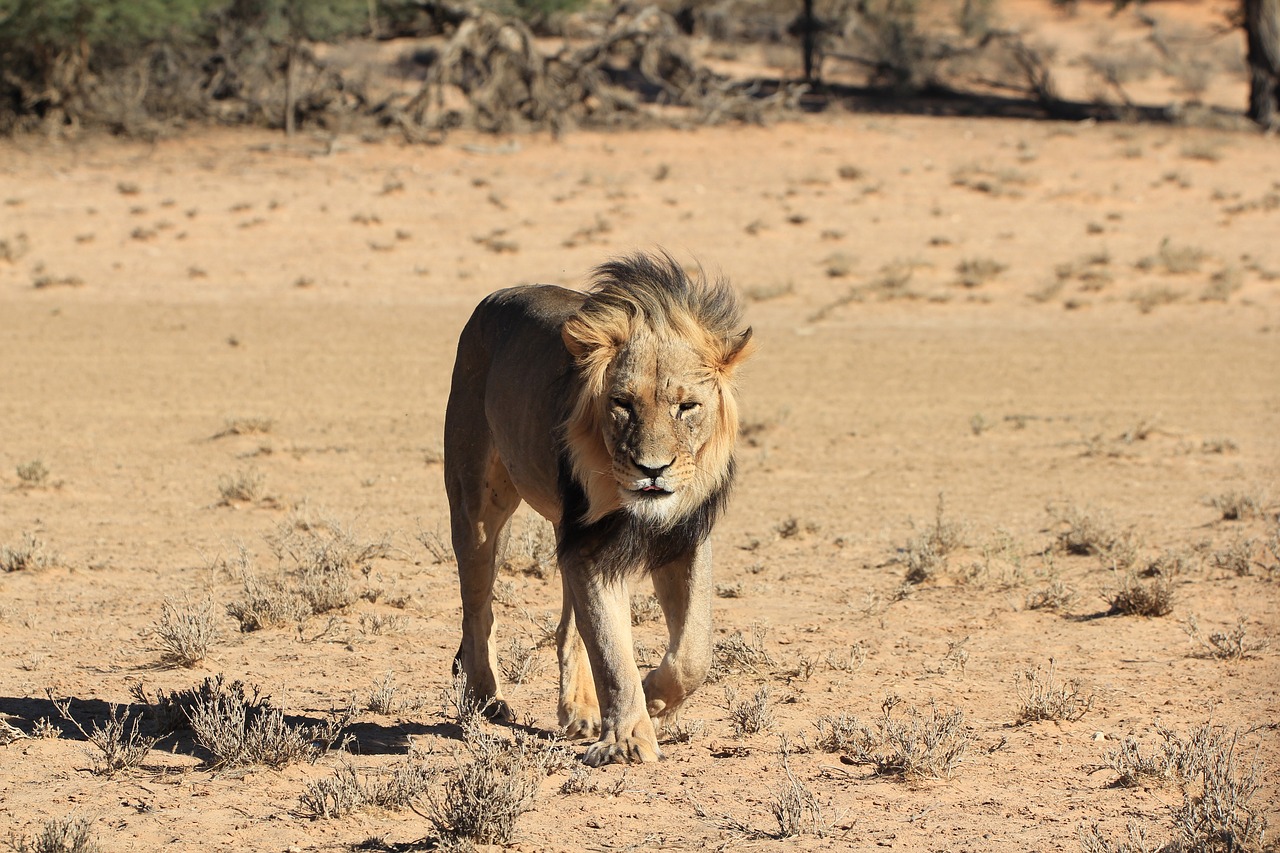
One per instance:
(653, 472)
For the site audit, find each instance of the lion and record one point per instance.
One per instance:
(613, 414)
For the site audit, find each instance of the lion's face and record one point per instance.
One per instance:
(662, 404)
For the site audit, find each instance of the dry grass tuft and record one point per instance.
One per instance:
(1041, 697)
(750, 716)
(519, 662)
(1216, 813)
(1083, 532)
(794, 806)
(59, 835)
(245, 426)
(30, 553)
(1223, 645)
(239, 731)
(185, 633)
(926, 553)
(1055, 596)
(1135, 597)
(323, 557)
(915, 747)
(33, 474)
(244, 486)
(736, 654)
(975, 272)
(645, 608)
(345, 792)
(494, 782)
(1238, 506)
(117, 739)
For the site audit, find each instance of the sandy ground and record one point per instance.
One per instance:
(1124, 363)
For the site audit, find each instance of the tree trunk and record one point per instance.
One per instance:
(1262, 31)
(290, 108)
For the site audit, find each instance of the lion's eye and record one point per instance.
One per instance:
(688, 407)
(621, 403)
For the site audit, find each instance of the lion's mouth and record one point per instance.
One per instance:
(652, 490)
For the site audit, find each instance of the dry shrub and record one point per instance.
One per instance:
(507, 84)
(1135, 597)
(117, 739)
(794, 806)
(1223, 645)
(171, 711)
(495, 781)
(245, 426)
(915, 747)
(1237, 506)
(1041, 697)
(926, 553)
(1056, 596)
(382, 698)
(1216, 813)
(346, 792)
(750, 716)
(323, 557)
(519, 662)
(29, 553)
(239, 732)
(736, 654)
(33, 474)
(1085, 532)
(185, 633)
(59, 835)
(645, 608)
(975, 272)
(244, 486)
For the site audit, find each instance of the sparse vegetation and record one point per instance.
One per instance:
(1238, 505)
(494, 782)
(1223, 645)
(33, 474)
(925, 554)
(1042, 697)
(1085, 532)
(736, 654)
(238, 730)
(120, 745)
(914, 746)
(59, 835)
(185, 632)
(749, 716)
(1135, 597)
(1216, 812)
(29, 554)
(244, 486)
(975, 272)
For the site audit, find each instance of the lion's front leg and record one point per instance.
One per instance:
(603, 614)
(579, 710)
(683, 588)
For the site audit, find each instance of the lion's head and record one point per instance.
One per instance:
(653, 424)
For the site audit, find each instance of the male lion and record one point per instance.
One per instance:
(612, 414)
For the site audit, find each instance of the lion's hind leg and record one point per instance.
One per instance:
(482, 499)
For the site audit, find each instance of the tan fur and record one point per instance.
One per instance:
(645, 429)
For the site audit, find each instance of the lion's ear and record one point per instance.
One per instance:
(736, 350)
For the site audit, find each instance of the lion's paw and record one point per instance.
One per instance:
(629, 750)
(580, 721)
(497, 711)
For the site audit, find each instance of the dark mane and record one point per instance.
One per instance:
(620, 542)
(654, 288)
